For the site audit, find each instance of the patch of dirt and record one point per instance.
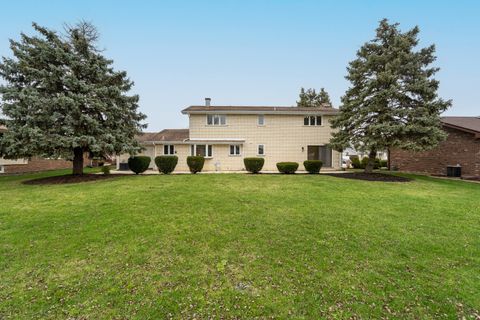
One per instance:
(369, 176)
(69, 179)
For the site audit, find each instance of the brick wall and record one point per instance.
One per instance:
(37, 164)
(459, 148)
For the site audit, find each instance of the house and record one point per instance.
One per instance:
(34, 164)
(225, 135)
(462, 147)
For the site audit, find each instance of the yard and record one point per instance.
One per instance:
(239, 246)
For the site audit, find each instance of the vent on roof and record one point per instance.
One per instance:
(207, 102)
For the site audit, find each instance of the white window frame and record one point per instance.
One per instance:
(236, 147)
(261, 116)
(258, 150)
(2, 169)
(170, 149)
(216, 120)
(208, 150)
(313, 120)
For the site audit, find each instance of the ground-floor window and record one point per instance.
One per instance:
(169, 149)
(235, 150)
(204, 150)
(261, 150)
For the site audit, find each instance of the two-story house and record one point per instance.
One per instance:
(225, 135)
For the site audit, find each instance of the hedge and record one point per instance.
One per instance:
(195, 163)
(287, 167)
(166, 164)
(139, 164)
(254, 165)
(313, 166)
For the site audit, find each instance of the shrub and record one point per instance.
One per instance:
(105, 170)
(287, 167)
(166, 164)
(383, 163)
(195, 163)
(139, 164)
(313, 166)
(253, 165)
(356, 164)
(364, 163)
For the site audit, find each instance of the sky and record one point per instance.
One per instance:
(255, 52)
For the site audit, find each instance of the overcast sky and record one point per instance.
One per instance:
(255, 52)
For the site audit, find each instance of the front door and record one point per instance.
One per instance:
(323, 153)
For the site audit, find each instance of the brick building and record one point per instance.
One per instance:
(34, 164)
(462, 147)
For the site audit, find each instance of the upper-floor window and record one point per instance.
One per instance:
(312, 121)
(235, 150)
(261, 120)
(204, 150)
(216, 119)
(168, 149)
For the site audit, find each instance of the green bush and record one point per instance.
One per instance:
(313, 166)
(105, 170)
(287, 167)
(383, 163)
(253, 165)
(364, 163)
(139, 164)
(195, 163)
(166, 164)
(356, 164)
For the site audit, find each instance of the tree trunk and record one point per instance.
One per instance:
(371, 161)
(78, 161)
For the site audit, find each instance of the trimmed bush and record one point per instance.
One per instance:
(195, 163)
(105, 170)
(383, 163)
(139, 164)
(166, 164)
(287, 167)
(254, 165)
(356, 164)
(313, 166)
(364, 163)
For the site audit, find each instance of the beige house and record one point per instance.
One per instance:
(225, 135)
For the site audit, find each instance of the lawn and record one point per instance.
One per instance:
(239, 246)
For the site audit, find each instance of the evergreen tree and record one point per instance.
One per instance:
(62, 98)
(393, 99)
(310, 98)
(323, 98)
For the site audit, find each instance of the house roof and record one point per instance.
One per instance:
(259, 110)
(468, 124)
(164, 135)
(3, 128)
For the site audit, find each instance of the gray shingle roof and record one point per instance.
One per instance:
(257, 109)
(164, 135)
(471, 124)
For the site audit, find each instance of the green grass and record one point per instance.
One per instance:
(239, 246)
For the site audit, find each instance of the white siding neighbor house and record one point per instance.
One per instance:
(225, 135)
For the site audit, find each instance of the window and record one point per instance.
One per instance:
(169, 149)
(2, 169)
(235, 150)
(312, 121)
(261, 120)
(204, 150)
(216, 119)
(261, 150)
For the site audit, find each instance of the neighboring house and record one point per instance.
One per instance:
(462, 147)
(34, 164)
(225, 135)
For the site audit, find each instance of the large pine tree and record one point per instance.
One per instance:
(62, 98)
(393, 99)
